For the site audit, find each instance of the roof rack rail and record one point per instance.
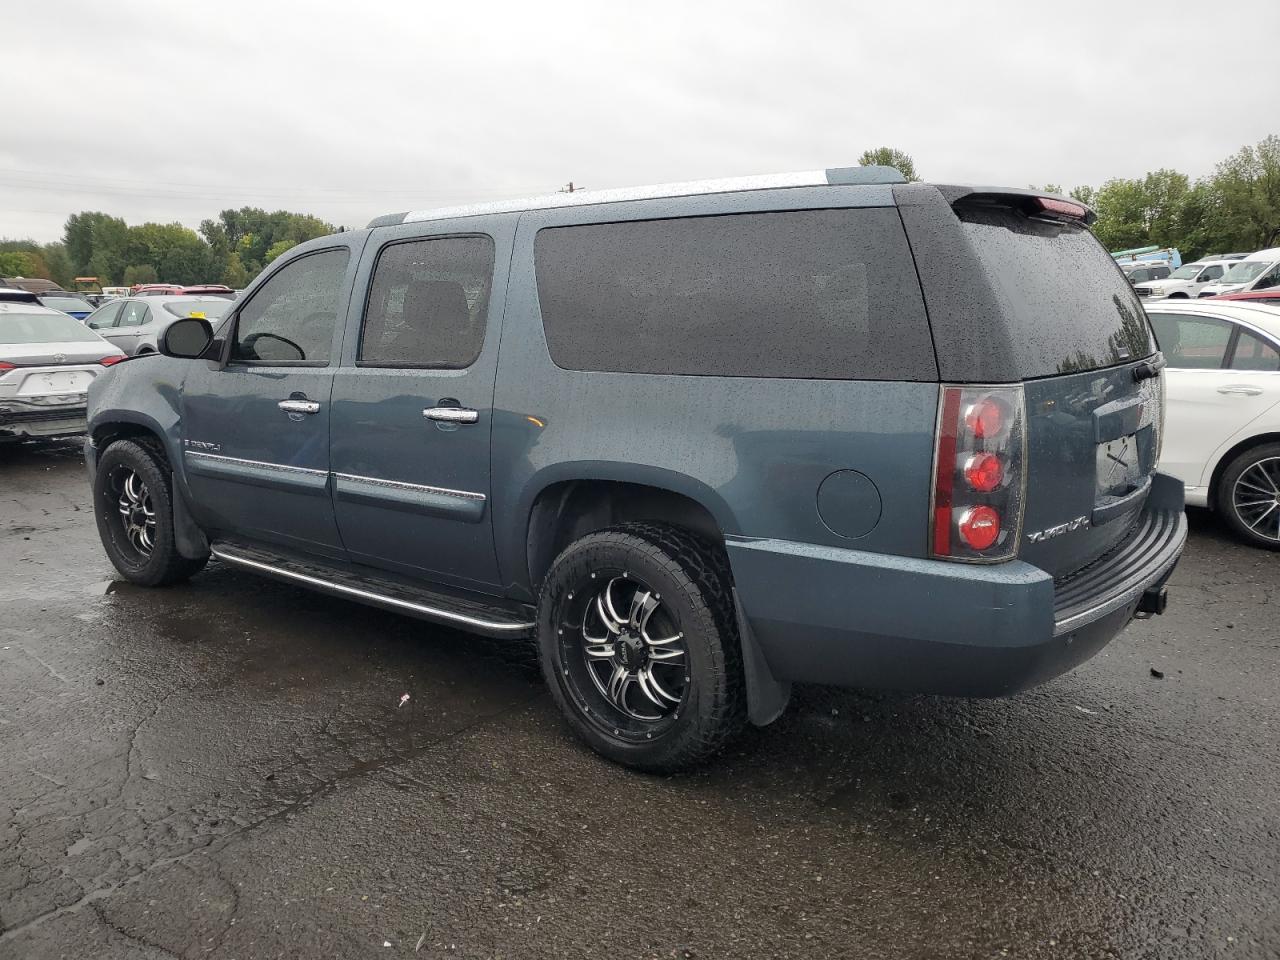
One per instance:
(832, 176)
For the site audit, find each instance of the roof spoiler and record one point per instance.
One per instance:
(1034, 203)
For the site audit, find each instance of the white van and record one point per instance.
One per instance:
(1257, 271)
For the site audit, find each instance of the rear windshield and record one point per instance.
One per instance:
(42, 328)
(67, 303)
(210, 308)
(1069, 307)
(825, 294)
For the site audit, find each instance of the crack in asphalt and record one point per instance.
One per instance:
(220, 843)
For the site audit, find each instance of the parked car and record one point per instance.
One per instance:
(1258, 271)
(72, 304)
(1187, 281)
(210, 290)
(1269, 297)
(1226, 256)
(157, 290)
(35, 285)
(47, 361)
(1142, 272)
(1223, 399)
(14, 295)
(740, 433)
(135, 324)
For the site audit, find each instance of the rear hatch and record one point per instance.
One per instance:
(1082, 345)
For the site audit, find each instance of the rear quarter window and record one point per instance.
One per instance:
(822, 294)
(1066, 304)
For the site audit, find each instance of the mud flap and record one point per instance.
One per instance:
(767, 697)
(188, 538)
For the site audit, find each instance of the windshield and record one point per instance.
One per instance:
(209, 307)
(67, 304)
(42, 328)
(1186, 273)
(1245, 271)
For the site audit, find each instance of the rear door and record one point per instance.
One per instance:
(1080, 341)
(413, 403)
(124, 332)
(256, 426)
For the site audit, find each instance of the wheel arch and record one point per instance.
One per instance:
(568, 508)
(1220, 467)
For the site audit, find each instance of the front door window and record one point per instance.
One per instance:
(291, 318)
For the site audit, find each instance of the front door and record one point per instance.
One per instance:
(412, 406)
(256, 426)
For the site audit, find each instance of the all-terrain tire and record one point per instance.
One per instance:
(161, 564)
(692, 577)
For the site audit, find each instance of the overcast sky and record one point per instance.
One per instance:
(171, 111)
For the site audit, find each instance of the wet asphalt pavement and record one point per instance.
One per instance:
(222, 769)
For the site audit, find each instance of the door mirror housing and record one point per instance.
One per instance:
(186, 339)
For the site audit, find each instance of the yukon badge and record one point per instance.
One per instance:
(1048, 533)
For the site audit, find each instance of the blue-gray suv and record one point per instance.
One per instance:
(696, 442)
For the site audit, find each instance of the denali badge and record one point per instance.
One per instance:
(203, 445)
(1039, 536)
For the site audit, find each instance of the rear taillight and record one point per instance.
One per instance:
(4, 367)
(979, 473)
(111, 361)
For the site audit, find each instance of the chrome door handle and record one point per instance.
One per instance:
(1241, 390)
(299, 406)
(451, 414)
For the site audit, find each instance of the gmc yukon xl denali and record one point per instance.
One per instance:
(696, 442)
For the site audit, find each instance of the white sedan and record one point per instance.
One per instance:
(47, 361)
(1222, 416)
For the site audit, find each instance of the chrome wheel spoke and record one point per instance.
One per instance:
(645, 681)
(613, 623)
(1262, 516)
(642, 606)
(598, 651)
(661, 641)
(646, 675)
(665, 654)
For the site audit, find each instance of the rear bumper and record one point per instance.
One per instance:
(851, 618)
(16, 423)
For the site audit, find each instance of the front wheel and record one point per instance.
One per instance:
(639, 645)
(1249, 496)
(133, 503)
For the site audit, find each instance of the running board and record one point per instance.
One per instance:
(463, 613)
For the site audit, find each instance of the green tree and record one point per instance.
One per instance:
(18, 263)
(140, 273)
(276, 249)
(890, 157)
(235, 275)
(1247, 185)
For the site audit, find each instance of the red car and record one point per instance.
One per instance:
(210, 290)
(1270, 296)
(157, 290)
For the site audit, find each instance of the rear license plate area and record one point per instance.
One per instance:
(61, 381)
(1119, 467)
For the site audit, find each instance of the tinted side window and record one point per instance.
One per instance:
(1191, 343)
(1209, 273)
(1160, 273)
(826, 294)
(292, 316)
(428, 303)
(1268, 280)
(1253, 353)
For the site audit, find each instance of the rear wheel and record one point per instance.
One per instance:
(1249, 495)
(640, 647)
(133, 503)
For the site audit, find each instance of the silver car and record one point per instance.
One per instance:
(47, 361)
(135, 324)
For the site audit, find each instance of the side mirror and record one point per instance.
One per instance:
(186, 339)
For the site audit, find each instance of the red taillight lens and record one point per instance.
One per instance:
(111, 361)
(986, 418)
(7, 366)
(979, 527)
(978, 473)
(984, 472)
